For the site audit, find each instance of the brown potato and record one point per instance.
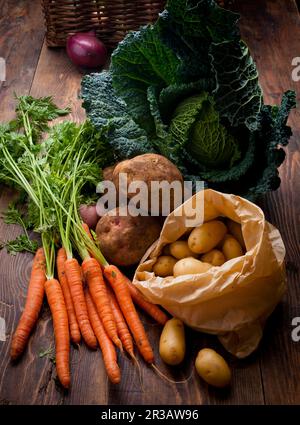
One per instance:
(148, 168)
(236, 230)
(213, 368)
(108, 172)
(180, 249)
(231, 248)
(206, 236)
(214, 257)
(172, 342)
(124, 239)
(190, 265)
(164, 266)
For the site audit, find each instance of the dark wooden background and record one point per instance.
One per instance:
(272, 374)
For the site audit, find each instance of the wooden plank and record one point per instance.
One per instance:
(21, 50)
(272, 30)
(35, 377)
(193, 391)
(58, 77)
(21, 38)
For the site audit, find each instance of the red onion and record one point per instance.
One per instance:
(89, 215)
(84, 49)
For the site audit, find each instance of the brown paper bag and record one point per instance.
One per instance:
(232, 301)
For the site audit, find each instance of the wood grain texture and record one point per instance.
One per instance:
(271, 28)
(273, 37)
(21, 39)
(56, 75)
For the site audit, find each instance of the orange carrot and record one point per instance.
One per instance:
(106, 345)
(73, 324)
(33, 305)
(122, 327)
(58, 309)
(87, 231)
(74, 278)
(153, 310)
(94, 278)
(118, 282)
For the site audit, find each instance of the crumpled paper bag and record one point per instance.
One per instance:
(232, 301)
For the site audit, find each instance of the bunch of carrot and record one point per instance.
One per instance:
(88, 299)
(90, 302)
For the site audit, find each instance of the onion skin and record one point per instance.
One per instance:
(89, 215)
(85, 50)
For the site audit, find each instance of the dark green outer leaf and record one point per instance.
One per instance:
(109, 114)
(238, 94)
(204, 19)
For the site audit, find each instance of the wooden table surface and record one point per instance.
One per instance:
(269, 376)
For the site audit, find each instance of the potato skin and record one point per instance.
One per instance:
(207, 236)
(164, 266)
(236, 230)
(213, 368)
(180, 249)
(231, 248)
(172, 342)
(190, 265)
(147, 168)
(214, 257)
(108, 172)
(124, 239)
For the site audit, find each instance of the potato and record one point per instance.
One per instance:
(190, 265)
(236, 230)
(213, 368)
(214, 257)
(180, 249)
(205, 237)
(108, 172)
(164, 266)
(231, 248)
(124, 239)
(172, 342)
(148, 168)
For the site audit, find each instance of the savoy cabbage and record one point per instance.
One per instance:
(187, 87)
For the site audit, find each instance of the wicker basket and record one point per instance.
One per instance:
(111, 19)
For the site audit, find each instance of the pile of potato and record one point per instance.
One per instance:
(210, 366)
(208, 245)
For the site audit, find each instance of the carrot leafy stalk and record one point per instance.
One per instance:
(33, 305)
